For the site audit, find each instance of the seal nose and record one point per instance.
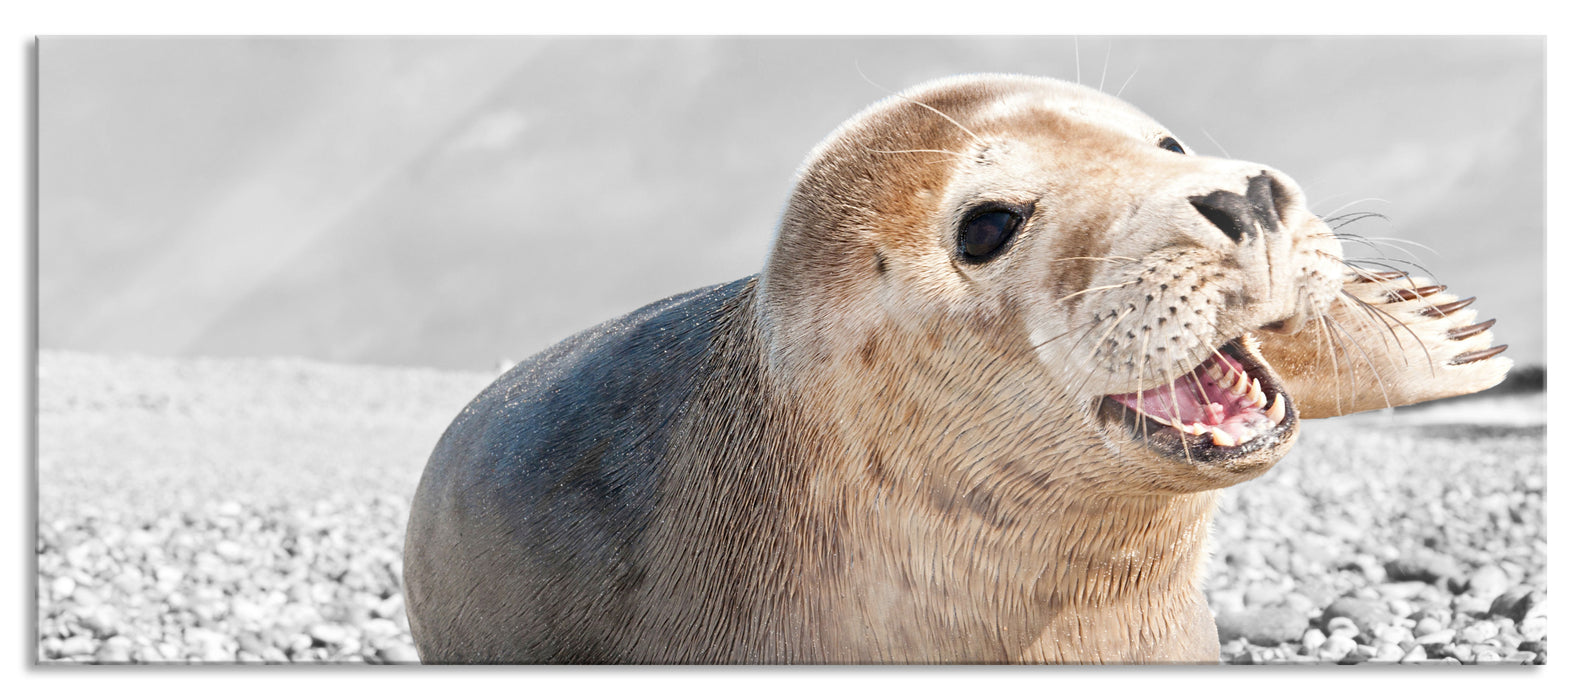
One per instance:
(1241, 216)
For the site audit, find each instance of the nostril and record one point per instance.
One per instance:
(1228, 211)
(1261, 195)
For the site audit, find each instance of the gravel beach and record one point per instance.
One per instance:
(252, 511)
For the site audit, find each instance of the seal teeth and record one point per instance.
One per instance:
(1222, 438)
(1241, 383)
(1276, 410)
(1256, 394)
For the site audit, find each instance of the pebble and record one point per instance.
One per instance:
(1441, 637)
(329, 635)
(129, 581)
(1321, 591)
(115, 650)
(1335, 648)
(1392, 653)
(1400, 590)
(247, 613)
(230, 551)
(77, 646)
(391, 608)
(1516, 602)
(1488, 581)
(1422, 566)
(1311, 640)
(1479, 631)
(104, 621)
(1363, 613)
(1415, 654)
(1522, 657)
(1263, 594)
(1264, 627)
(1399, 608)
(1226, 600)
(1469, 604)
(379, 629)
(85, 597)
(1244, 555)
(1363, 652)
(1390, 634)
(397, 654)
(1342, 626)
(62, 587)
(1534, 628)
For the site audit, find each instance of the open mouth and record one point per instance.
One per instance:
(1227, 406)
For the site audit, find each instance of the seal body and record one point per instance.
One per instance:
(1007, 347)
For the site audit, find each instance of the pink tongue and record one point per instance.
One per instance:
(1194, 398)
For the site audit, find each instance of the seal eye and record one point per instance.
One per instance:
(985, 233)
(1170, 144)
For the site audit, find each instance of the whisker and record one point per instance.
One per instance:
(1381, 263)
(1353, 203)
(1098, 345)
(1351, 304)
(1376, 262)
(1348, 219)
(1128, 82)
(946, 117)
(1391, 319)
(1216, 143)
(1111, 258)
(1403, 241)
(1076, 45)
(1106, 71)
(1097, 289)
(916, 150)
(1379, 379)
(1334, 364)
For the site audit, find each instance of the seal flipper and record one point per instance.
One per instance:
(1388, 340)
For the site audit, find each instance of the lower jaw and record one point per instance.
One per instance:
(1194, 449)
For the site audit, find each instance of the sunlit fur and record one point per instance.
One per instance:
(891, 455)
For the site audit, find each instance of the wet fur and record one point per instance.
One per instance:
(872, 453)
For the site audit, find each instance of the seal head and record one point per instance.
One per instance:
(1116, 278)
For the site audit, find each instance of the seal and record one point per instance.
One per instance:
(1011, 339)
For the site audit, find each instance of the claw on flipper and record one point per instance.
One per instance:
(1469, 331)
(1416, 293)
(1467, 358)
(1448, 308)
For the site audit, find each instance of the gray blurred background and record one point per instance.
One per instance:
(456, 202)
